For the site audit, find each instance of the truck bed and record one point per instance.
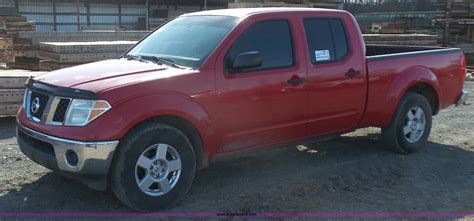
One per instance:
(388, 66)
(377, 50)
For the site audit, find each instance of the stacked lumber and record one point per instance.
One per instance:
(280, 3)
(459, 22)
(11, 23)
(401, 39)
(459, 26)
(389, 28)
(468, 50)
(57, 55)
(12, 89)
(460, 8)
(18, 26)
(27, 45)
(6, 52)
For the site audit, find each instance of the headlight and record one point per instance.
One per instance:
(82, 112)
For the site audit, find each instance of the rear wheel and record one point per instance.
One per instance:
(153, 168)
(410, 126)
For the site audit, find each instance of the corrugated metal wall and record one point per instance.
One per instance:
(92, 16)
(62, 16)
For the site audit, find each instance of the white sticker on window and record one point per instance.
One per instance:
(322, 55)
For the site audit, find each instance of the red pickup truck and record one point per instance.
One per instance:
(213, 83)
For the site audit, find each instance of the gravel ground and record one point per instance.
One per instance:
(352, 173)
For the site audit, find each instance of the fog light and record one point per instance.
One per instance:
(71, 158)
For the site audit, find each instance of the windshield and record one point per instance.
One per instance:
(188, 40)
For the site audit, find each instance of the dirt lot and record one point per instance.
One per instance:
(352, 173)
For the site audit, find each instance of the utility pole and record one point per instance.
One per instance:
(205, 4)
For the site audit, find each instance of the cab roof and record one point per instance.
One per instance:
(244, 12)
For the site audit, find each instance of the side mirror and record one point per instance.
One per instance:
(246, 60)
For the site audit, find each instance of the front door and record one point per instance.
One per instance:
(263, 105)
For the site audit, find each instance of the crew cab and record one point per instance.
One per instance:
(214, 83)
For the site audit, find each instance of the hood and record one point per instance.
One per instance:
(105, 74)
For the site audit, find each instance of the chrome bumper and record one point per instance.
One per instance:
(462, 98)
(92, 158)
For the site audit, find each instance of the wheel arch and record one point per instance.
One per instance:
(174, 110)
(419, 80)
(428, 92)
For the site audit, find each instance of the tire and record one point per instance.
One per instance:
(402, 135)
(161, 149)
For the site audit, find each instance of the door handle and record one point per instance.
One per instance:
(296, 81)
(352, 73)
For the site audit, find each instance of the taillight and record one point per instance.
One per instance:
(463, 66)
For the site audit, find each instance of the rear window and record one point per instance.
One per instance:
(271, 38)
(327, 39)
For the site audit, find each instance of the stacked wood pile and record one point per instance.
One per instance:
(28, 44)
(401, 39)
(389, 28)
(459, 26)
(57, 55)
(6, 52)
(287, 3)
(11, 23)
(12, 89)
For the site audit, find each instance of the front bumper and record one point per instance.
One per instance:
(462, 98)
(91, 158)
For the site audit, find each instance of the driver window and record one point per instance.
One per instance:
(272, 39)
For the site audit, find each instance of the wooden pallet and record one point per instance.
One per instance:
(398, 37)
(11, 82)
(17, 18)
(6, 43)
(83, 34)
(20, 26)
(412, 43)
(6, 56)
(26, 53)
(11, 95)
(25, 47)
(51, 65)
(9, 109)
(76, 58)
(86, 47)
(24, 65)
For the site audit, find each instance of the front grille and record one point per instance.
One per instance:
(37, 104)
(61, 110)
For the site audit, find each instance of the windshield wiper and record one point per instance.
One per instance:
(155, 59)
(162, 60)
(133, 57)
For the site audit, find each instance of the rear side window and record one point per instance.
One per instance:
(271, 38)
(327, 39)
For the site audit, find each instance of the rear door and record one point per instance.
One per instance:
(260, 106)
(336, 74)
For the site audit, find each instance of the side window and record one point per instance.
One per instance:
(271, 38)
(327, 40)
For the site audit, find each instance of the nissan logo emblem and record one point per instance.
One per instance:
(35, 105)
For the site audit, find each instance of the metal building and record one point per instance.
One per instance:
(73, 15)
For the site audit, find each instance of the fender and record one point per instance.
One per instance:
(404, 81)
(161, 104)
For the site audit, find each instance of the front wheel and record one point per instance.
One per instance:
(153, 168)
(410, 126)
